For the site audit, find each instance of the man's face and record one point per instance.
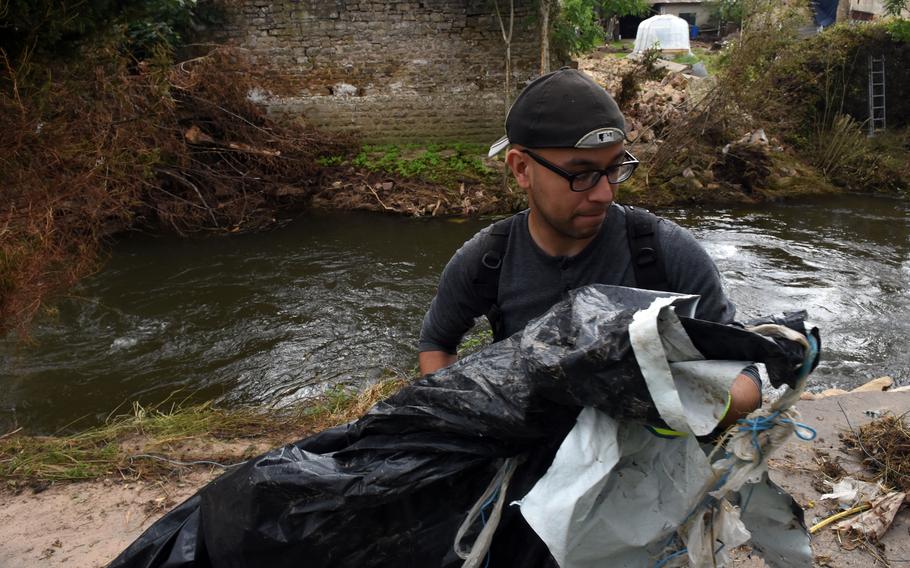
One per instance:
(565, 213)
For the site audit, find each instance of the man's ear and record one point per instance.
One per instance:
(518, 163)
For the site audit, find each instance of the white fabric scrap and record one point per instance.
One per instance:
(645, 337)
(690, 393)
(615, 493)
(725, 526)
(848, 492)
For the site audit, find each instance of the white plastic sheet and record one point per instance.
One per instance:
(615, 493)
(667, 32)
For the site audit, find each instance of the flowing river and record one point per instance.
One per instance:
(338, 298)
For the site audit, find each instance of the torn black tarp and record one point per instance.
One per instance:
(392, 488)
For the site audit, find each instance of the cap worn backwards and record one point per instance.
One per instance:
(563, 109)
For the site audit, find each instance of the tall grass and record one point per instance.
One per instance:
(152, 442)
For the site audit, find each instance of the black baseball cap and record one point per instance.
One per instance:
(563, 109)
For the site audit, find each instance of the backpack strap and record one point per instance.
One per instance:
(641, 226)
(486, 281)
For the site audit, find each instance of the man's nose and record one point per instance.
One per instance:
(603, 191)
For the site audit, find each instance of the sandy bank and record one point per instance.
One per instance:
(84, 525)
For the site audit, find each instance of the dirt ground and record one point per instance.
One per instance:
(85, 525)
(796, 468)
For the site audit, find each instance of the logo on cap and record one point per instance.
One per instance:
(600, 137)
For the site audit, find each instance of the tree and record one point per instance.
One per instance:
(544, 36)
(578, 27)
(895, 7)
(728, 11)
(612, 10)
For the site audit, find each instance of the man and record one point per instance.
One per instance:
(565, 136)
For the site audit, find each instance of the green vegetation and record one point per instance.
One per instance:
(687, 59)
(895, 7)
(51, 28)
(810, 98)
(153, 442)
(728, 11)
(578, 28)
(446, 164)
(477, 339)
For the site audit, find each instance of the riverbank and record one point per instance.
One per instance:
(85, 524)
(103, 146)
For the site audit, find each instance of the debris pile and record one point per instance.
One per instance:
(659, 97)
(886, 446)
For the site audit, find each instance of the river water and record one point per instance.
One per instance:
(339, 297)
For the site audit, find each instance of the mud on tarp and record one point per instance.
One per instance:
(392, 488)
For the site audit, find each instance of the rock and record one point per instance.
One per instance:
(699, 70)
(688, 173)
(387, 185)
(879, 384)
(671, 66)
(290, 191)
(758, 137)
(344, 90)
(830, 392)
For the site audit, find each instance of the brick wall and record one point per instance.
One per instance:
(394, 70)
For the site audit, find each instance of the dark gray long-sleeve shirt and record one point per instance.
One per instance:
(531, 281)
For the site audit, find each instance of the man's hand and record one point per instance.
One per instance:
(431, 361)
(745, 396)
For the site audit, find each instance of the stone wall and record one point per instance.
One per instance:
(394, 70)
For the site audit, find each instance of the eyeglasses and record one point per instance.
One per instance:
(583, 181)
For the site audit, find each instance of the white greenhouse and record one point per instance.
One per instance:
(668, 32)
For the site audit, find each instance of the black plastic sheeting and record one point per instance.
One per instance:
(825, 12)
(391, 488)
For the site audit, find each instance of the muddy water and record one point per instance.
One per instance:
(339, 297)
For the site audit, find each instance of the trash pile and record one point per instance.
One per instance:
(867, 509)
(659, 101)
(540, 450)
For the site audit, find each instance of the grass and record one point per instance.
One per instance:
(713, 60)
(441, 163)
(687, 59)
(126, 445)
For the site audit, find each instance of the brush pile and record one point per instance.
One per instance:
(101, 144)
(886, 445)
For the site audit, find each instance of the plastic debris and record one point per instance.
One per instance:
(875, 522)
(397, 486)
(849, 492)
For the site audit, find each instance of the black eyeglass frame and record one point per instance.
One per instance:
(629, 160)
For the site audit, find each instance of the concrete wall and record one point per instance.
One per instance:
(701, 11)
(394, 70)
(875, 7)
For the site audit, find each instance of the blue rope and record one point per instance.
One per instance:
(663, 561)
(809, 432)
(757, 426)
(809, 358)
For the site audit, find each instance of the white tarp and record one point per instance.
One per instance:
(666, 32)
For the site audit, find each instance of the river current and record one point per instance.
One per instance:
(338, 298)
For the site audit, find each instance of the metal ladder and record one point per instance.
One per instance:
(876, 94)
